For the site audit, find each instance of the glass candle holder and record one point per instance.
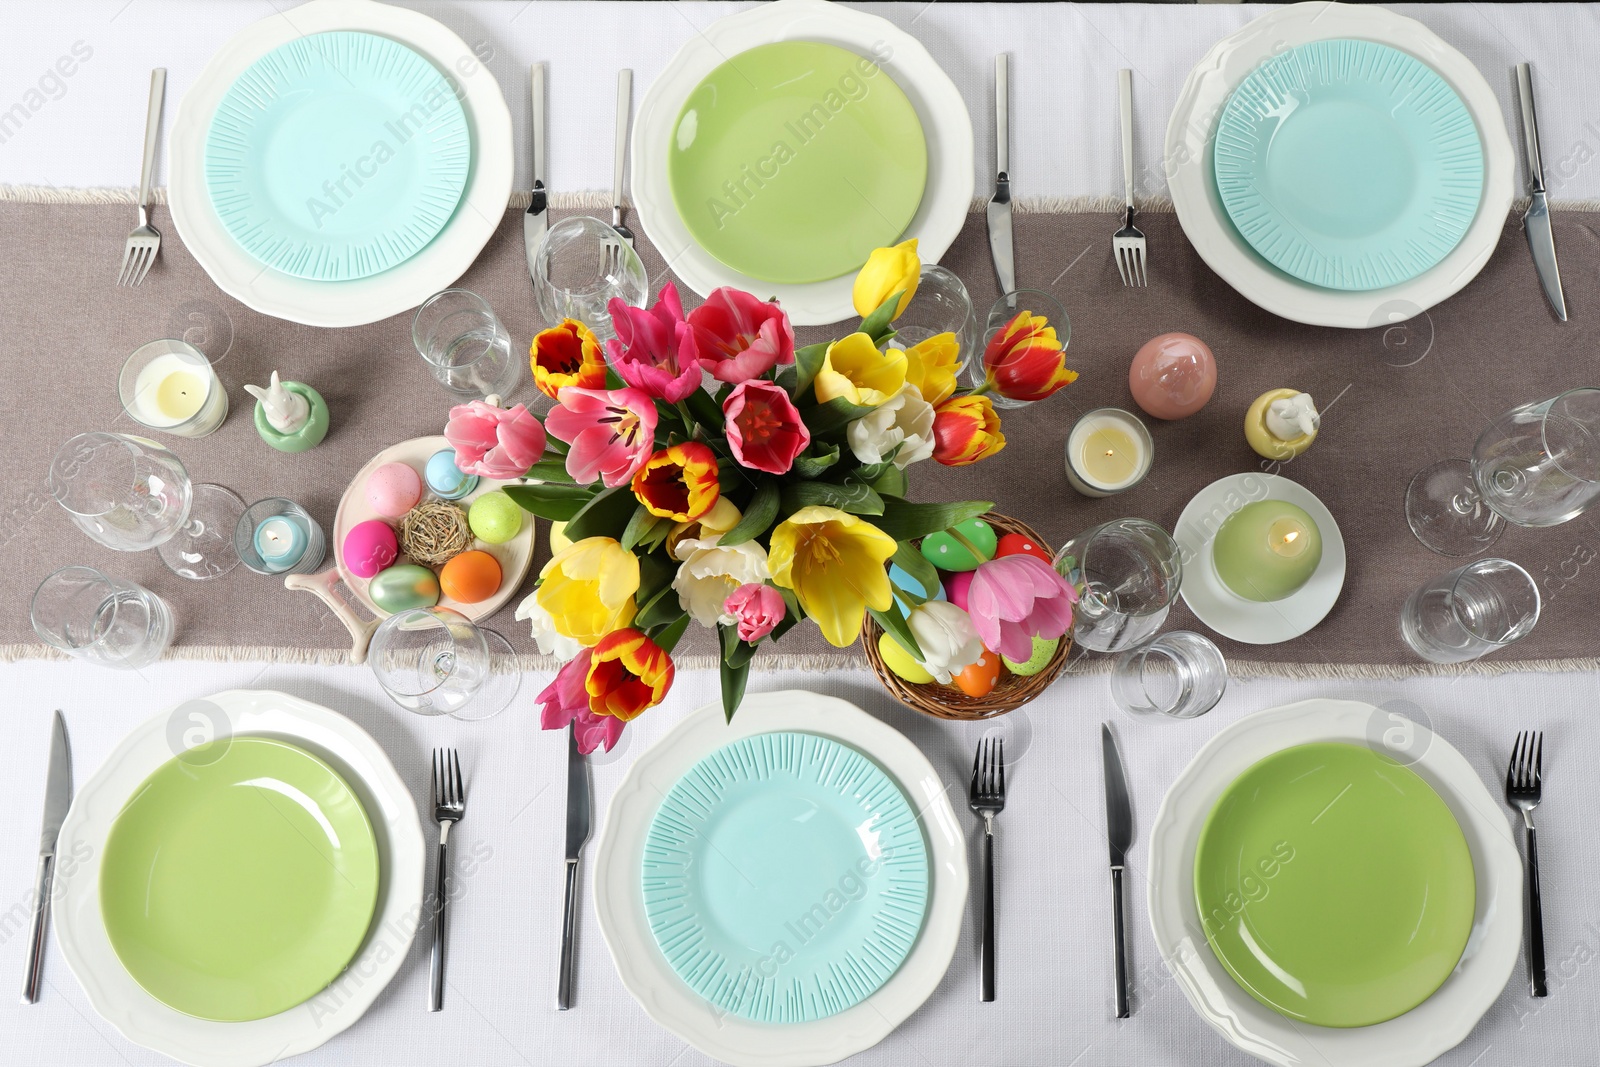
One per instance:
(1004, 310)
(1180, 675)
(581, 265)
(465, 346)
(1109, 451)
(170, 386)
(278, 536)
(940, 305)
(1470, 612)
(92, 616)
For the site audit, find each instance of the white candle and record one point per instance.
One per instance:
(170, 386)
(280, 543)
(1108, 451)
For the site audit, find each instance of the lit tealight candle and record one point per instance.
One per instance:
(280, 542)
(170, 386)
(1267, 550)
(1108, 451)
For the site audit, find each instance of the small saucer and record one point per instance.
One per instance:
(1232, 616)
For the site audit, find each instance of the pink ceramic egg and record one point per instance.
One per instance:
(1173, 375)
(394, 489)
(956, 586)
(369, 547)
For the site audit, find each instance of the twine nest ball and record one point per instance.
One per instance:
(435, 532)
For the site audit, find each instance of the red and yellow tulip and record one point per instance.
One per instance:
(1025, 360)
(965, 430)
(679, 482)
(567, 354)
(628, 674)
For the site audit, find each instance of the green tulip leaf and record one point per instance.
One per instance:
(905, 521)
(558, 503)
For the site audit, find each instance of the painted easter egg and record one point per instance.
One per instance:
(471, 577)
(369, 547)
(394, 489)
(494, 518)
(404, 587)
(445, 479)
(979, 679)
(1015, 544)
(1043, 649)
(948, 554)
(901, 662)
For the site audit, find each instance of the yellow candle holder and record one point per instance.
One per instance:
(1262, 440)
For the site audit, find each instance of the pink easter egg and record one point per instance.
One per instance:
(956, 586)
(394, 489)
(369, 547)
(1173, 376)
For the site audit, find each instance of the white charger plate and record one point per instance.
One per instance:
(401, 287)
(1427, 1031)
(619, 890)
(81, 932)
(945, 123)
(1229, 614)
(1191, 134)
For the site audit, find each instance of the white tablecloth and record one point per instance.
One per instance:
(87, 130)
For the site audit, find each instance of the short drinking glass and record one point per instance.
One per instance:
(581, 266)
(1180, 674)
(466, 347)
(429, 660)
(941, 305)
(1004, 310)
(104, 620)
(1127, 573)
(1471, 611)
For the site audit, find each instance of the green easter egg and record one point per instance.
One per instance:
(945, 552)
(403, 587)
(900, 662)
(494, 518)
(1043, 649)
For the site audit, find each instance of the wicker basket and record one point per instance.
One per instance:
(948, 702)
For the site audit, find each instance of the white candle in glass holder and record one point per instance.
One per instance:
(1108, 451)
(170, 386)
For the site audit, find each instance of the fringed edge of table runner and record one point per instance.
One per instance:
(596, 201)
(1242, 670)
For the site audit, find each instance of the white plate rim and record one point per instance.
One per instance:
(1244, 620)
(644, 970)
(946, 125)
(81, 934)
(1410, 1040)
(359, 301)
(1188, 164)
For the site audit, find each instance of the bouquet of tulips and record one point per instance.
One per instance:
(708, 470)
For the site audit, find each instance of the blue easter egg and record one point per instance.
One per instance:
(900, 579)
(445, 479)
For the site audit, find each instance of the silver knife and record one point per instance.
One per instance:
(577, 834)
(1119, 833)
(1000, 204)
(1536, 223)
(536, 222)
(57, 799)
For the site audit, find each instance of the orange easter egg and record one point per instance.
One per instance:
(470, 577)
(978, 679)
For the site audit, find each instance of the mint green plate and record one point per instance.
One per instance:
(1348, 164)
(337, 155)
(791, 162)
(785, 877)
(239, 880)
(1334, 885)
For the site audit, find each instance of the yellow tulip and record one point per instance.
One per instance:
(834, 562)
(855, 369)
(588, 589)
(723, 516)
(888, 271)
(931, 367)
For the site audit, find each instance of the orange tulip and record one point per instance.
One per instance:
(628, 675)
(1025, 360)
(679, 482)
(568, 354)
(965, 430)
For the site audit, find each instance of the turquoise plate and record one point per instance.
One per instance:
(1348, 164)
(785, 877)
(337, 156)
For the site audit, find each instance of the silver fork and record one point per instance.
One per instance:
(145, 240)
(1524, 783)
(449, 805)
(1127, 244)
(987, 797)
(619, 159)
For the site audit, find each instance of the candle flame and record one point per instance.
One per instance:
(1290, 536)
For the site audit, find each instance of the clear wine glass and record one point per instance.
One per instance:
(581, 265)
(1127, 573)
(131, 494)
(1535, 465)
(431, 661)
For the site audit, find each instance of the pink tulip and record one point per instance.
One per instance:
(494, 442)
(1014, 599)
(737, 337)
(651, 351)
(764, 429)
(612, 433)
(566, 700)
(758, 608)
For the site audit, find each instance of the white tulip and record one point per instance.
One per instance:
(709, 573)
(949, 642)
(905, 419)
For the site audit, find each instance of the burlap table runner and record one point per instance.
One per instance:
(1395, 399)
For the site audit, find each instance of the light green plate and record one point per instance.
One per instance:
(791, 162)
(1349, 164)
(1334, 885)
(239, 880)
(785, 877)
(337, 155)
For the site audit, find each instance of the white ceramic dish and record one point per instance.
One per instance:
(1192, 130)
(619, 903)
(945, 123)
(258, 713)
(404, 286)
(1410, 1040)
(1232, 615)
